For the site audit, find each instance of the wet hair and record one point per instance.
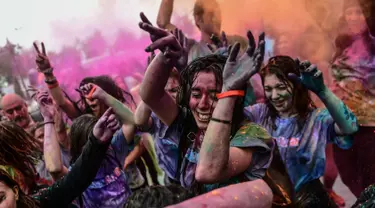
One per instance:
(19, 150)
(79, 134)
(158, 196)
(281, 66)
(110, 87)
(24, 201)
(212, 63)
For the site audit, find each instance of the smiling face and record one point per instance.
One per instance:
(355, 20)
(279, 94)
(203, 98)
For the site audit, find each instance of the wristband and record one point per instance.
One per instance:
(221, 121)
(48, 122)
(231, 93)
(91, 92)
(51, 81)
(54, 85)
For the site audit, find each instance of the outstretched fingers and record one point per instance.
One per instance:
(251, 48)
(144, 18)
(234, 52)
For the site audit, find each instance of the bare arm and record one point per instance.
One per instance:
(142, 116)
(164, 15)
(253, 194)
(62, 134)
(217, 160)
(152, 90)
(135, 154)
(52, 153)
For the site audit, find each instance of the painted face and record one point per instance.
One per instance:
(17, 112)
(172, 87)
(355, 19)
(7, 196)
(39, 136)
(97, 107)
(203, 98)
(279, 94)
(210, 21)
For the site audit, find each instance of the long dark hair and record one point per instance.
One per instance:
(281, 66)
(79, 134)
(24, 201)
(110, 87)
(345, 40)
(211, 63)
(19, 150)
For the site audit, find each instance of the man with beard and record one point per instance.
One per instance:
(15, 109)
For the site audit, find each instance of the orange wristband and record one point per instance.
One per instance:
(91, 92)
(231, 93)
(54, 85)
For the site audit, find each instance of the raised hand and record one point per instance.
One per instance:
(41, 60)
(310, 77)
(238, 72)
(46, 105)
(92, 91)
(182, 39)
(106, 126)
(162, 40)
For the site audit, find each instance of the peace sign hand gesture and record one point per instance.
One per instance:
(238, 72)
(163, 40)
(42, 61)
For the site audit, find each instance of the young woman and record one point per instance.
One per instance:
(300, 130)
(17, 175)
(187, 121)
(353, 77)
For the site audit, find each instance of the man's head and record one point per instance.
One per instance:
(15, 109)
(207, 16)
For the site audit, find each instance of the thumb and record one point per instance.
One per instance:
(294, 77)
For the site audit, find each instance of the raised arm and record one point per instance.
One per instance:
(152, 87)
(164, 15)
(142, 116)
(312, 79)
(44, 66)
(84, 170)
(92, 91)
(217, 160)
(51, 146)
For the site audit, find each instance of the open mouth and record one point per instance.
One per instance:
(204, 117)
(278, 104)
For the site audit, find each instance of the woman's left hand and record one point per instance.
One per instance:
(238, 72)
(310, 77)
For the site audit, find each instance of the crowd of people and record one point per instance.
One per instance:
(213, 123)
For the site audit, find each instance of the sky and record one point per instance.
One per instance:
(58, 22)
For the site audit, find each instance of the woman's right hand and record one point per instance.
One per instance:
(106, 126)
(42, 60)
(163, 40)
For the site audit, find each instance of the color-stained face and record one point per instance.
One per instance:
(279, 94)
(17, 112)
(203, 98)
(355, 20)
(97, 107)
(172, 87)
(7, 196)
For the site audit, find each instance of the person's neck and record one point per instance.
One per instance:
(288, 114)
(206, 38)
